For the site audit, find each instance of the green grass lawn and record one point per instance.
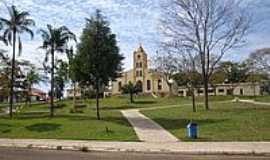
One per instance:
(224, 122)
(122, 102)
(263, 99)
(34, 122)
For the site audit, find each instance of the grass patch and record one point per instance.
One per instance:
(263, 99)
(224, 122)
(34, 122)
(122, 102)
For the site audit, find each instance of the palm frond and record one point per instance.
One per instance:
(22, 15)
(28, 30)
(5, 22)
(28, 22)
(9, 36)
(4, 40)
(44, 34)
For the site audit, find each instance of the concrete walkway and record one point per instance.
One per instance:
(253, 102)
(146, 129)
(228, 148)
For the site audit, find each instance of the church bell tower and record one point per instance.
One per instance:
(140, 67)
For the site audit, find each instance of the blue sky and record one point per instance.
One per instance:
(134, 22)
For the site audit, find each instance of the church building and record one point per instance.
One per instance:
(149, 81)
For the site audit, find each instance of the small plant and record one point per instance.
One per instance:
(84, 149)
(108, 131)
(29, 146)
(58, 147)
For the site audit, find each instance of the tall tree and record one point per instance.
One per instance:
(17, 24)
(55, 41)
(19, 74)
(130, 89)
(72, 73)
(261, 59)
(98, 54)
(211, 28)
(61, 77)
(32, 78)
(167, 65)
(188, 74)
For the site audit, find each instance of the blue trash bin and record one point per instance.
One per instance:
(192, 130)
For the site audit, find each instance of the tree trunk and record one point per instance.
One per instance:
(52, 83)
(97, 99)
(12, 76)
(131, 98)
(74, 96)
(170, 89)
(193, 100)
(206, 96)
(29, 95)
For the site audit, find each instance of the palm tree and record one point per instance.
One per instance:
(55, 40)
(17, 24)
(32, 78)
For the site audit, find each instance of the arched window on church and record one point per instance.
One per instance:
(148, 85)
(159, 85)
(137, 73)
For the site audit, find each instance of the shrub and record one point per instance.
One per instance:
(84, 149)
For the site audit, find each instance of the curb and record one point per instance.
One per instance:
(85, 148)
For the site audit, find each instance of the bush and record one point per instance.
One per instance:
(84, 149)
(59, 148)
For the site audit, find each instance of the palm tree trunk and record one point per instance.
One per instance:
(97, 99)
(52, 83)
(12, 76)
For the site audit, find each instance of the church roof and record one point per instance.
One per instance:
(140, 49)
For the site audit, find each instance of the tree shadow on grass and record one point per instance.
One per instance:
(111, 119)
(5, 128)
(123, 107)
(43, 127)
(144, 102)
(32, 115)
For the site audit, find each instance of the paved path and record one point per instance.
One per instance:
(32, 154)
(146, 129)
(253, 102)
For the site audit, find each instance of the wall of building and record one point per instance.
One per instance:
(243, 89)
